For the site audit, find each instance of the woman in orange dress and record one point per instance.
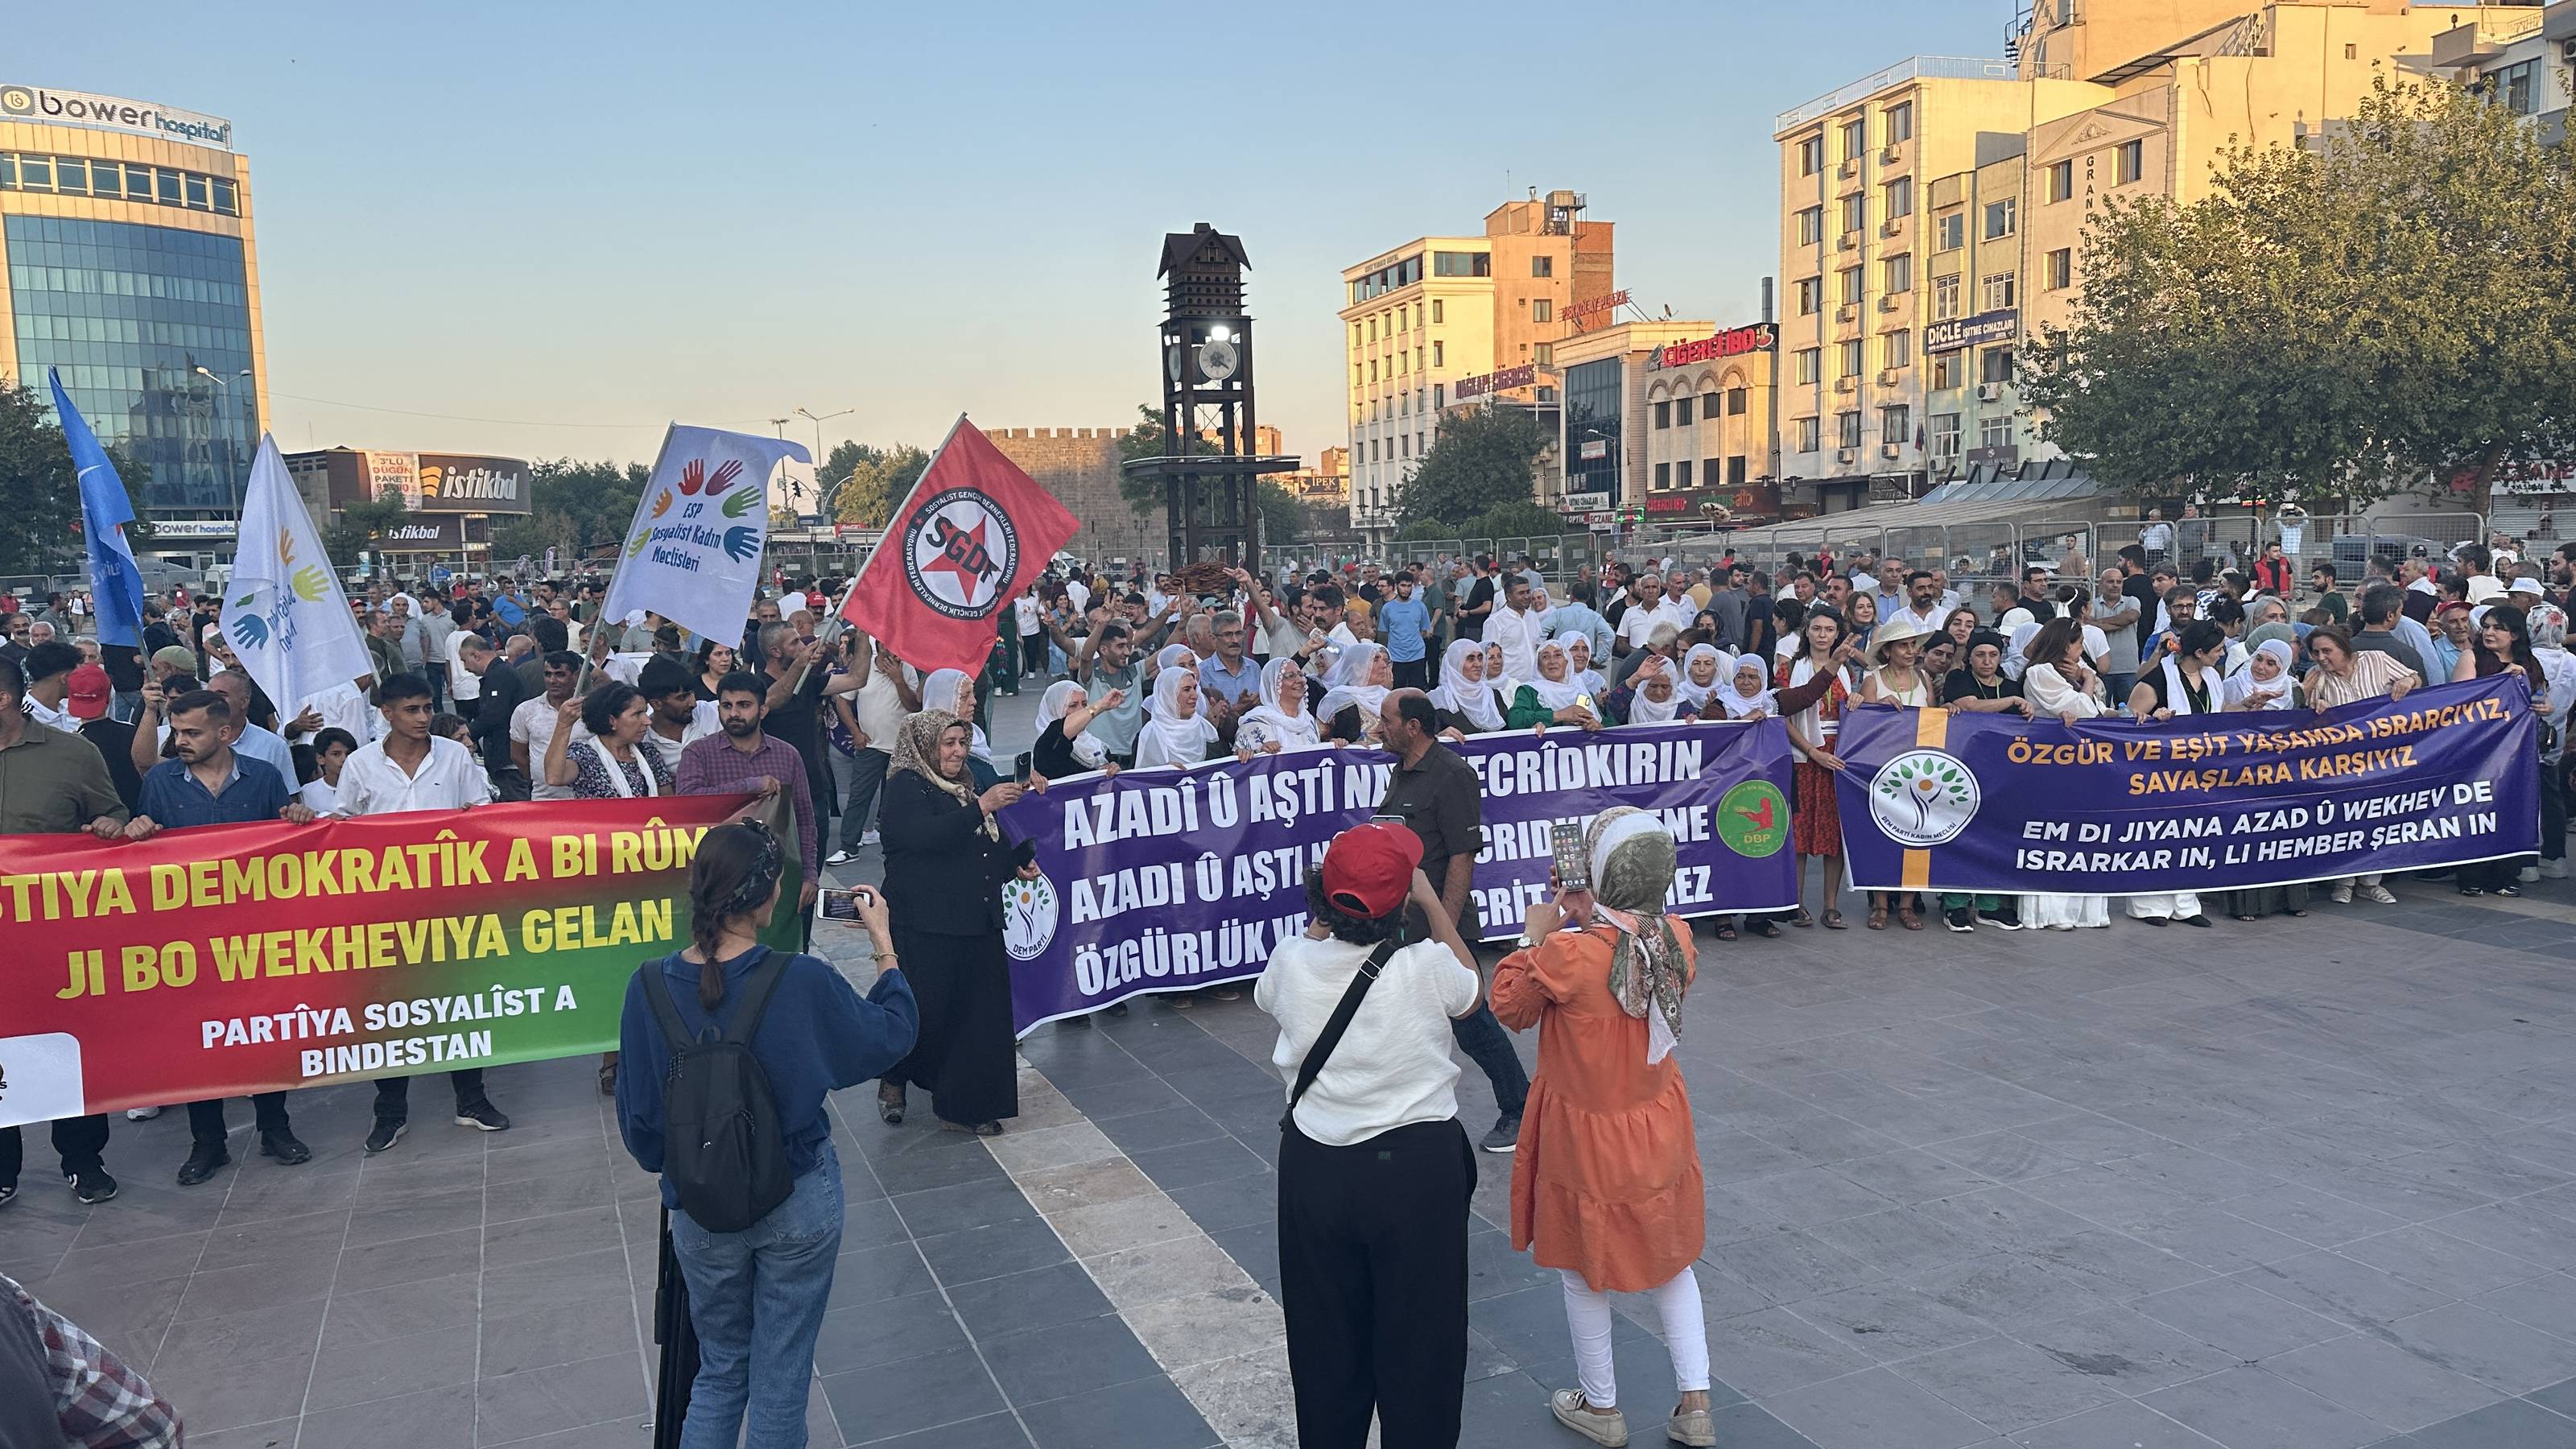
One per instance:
(1606, 1184)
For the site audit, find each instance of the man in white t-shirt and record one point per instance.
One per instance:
(1645, 611)
(1516, 630)
(680, 718)
(867, 698)
(532, 725)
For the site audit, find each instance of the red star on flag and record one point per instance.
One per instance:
(971, 582)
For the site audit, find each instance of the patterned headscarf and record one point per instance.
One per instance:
(1632, 858)
(916, 748)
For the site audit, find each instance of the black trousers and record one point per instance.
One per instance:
(206, 1119)
(1373, 1280)
(78, 1140)
(393, 1094)
(1413, 674)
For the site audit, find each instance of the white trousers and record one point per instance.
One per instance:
(1587, 1317)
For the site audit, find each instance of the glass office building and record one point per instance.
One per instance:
(125, 234)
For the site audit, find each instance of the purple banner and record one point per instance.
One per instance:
(1945, 800)
(1170, 880)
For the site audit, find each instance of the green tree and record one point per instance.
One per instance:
(1422, 528)
(1282, 517)
(877, 481)
(40, 511)
(1518, 519)
(533, 533)
(2340, 318)
(354, 529)
(1144, 491)
(598, 499)
(1481, 460)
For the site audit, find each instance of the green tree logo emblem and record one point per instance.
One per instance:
(1923, 798)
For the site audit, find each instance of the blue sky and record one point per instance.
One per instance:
(596, 217)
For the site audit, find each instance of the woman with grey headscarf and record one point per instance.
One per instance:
(1606, 1181)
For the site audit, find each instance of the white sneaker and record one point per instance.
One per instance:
(838, 857)
(141, 1114)
(2341, 895)
(868, 839)
(2529, 874)
(2378, 895)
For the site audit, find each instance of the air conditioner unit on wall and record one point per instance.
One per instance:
(1890, 227)
(1848, 241)
(1990, 392)
(1848, 169)
(1887, 157)
(1890, 376)
(1846, 384)
(1846, 455)
(1887, 450)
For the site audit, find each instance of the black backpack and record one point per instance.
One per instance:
(723, 1149)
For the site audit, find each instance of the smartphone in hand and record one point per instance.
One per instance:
(838, 904)
(1573, 867)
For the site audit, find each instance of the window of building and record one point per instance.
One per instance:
(1855, 211)
(1542, 309)
(1899, 270)
(114, 181)
(1422, 442)
(2351, 51)
(1949, 233)
(1995, 430)
(2061, 181)
(1372, 369)
(1462, 264)
(1735, 471)
(1810, 364)
(1663, 476)
(1811, 155)
(1995, 364)
(1855, 137)
(1708, 407)
(2001, 218)
(1811, 226)
(1404, 443)
(2515, 86)
(1438, 306)
(1682, 411)
(1811, 295)
(1542, 266)
(1439, 357)
(1663, 416)
(1945, 370)
(1810, 436)
(1847, 430)
(1372, 329)
(1402, 319)
(1898, 348)
(1735, 400)
(1900, 122)
(2132, 162)
(36, 173)
(1682, 473)
(1900, 197)
(1945, 297)
(1543, 355)
(1439, 395)
(1945, 435)
(1896, 424)
(1847, 359)
(1851, 286)
(1403, 364)
(1404, 405)
(1999, 289)
(2061, 269)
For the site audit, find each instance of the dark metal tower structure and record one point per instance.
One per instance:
(1209, 468)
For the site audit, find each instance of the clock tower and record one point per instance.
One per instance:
(1209, 470)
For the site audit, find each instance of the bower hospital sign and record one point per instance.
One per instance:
(112, 113)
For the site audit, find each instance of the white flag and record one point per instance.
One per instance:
(283, 609)
(693, 553)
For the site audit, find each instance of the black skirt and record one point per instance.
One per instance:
(964, 1056)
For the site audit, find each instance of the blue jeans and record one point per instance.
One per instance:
(756, 1299)
(1486, 1044)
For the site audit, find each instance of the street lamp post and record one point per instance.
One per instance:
(818, 421)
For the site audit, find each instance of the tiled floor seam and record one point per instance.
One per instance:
(322, 1330)
(1271, 1416)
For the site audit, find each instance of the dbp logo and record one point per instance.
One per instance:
(1922, 798)
(958, 552)
(1028, 917)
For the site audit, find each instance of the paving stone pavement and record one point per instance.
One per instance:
(2298, 1183)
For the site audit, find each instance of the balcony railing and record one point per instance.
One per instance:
(1921, 67)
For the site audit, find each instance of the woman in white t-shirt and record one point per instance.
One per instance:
(1374, 1170)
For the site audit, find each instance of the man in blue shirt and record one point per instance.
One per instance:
(1229, 676)
(1404, 623)
(210, 784)
(1577, 613)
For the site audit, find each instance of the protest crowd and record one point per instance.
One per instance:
(517, 689)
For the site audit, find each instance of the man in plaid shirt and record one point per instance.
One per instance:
(743, 757)
(59, 1386)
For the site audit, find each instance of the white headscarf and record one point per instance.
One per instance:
(1170, 655)
(2240, 686)
(1696, 695)
(1348, 686)
(1170, 738)
(1273, 718)
(940, 692)
(1644, 710)
(2015, 659)
(1586, 678)
(1732, 698)
(1555, 694)
(1054, 705)
(1471, 700)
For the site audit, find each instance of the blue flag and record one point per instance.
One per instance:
(116, 585)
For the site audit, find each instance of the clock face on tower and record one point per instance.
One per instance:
(1218, 360)
(1173, 352)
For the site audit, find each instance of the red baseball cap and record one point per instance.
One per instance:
(1368, 869)
(86, 696)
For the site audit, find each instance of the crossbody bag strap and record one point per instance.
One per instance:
(1338, 1023)
(756, 987)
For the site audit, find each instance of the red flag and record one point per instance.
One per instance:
(970, 537)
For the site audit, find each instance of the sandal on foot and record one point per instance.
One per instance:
(1802, 919)
(1609, 1430)
(1726, 933)
(1877, 918)
(1767, 929)
(1834, 921)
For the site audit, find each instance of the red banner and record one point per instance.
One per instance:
(973, 533)
(248, 958)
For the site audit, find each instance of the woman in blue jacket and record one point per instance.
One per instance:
(756, 1297)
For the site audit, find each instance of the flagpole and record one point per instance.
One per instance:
(596, 630)
(833, 627)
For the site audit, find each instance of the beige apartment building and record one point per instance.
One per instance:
(1667, 421)
(1932, 215)
(1448, 321)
